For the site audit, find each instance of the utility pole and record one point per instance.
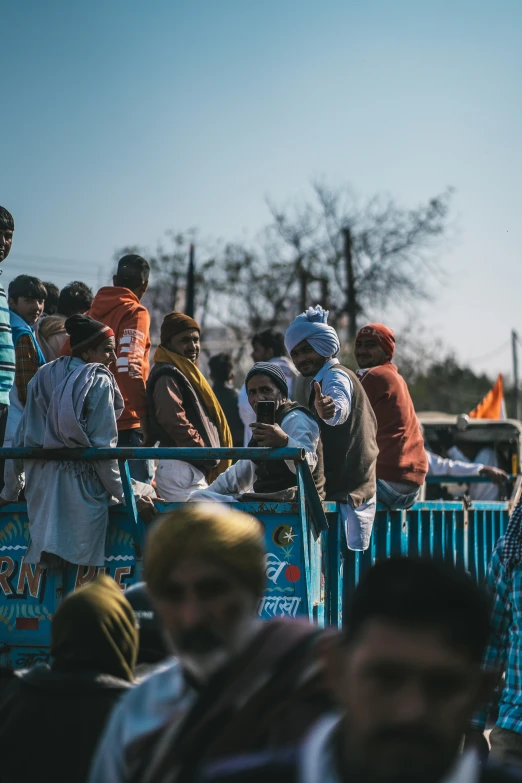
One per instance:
(190, 304)
(514, 345)
(325, 292)
(351, 297)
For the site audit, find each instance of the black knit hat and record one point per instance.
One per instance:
(273, 371)
(86, 333)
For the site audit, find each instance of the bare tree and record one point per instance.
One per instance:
(354, 257)
(360, 257)
(167, 288)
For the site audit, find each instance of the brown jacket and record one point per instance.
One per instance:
(266, 698)
(177, 416)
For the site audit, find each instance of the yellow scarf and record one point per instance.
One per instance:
(207, 397)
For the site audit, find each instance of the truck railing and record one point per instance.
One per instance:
(453, 531)
(464, 479)
(306, 492)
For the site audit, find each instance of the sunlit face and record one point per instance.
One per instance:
(104, 353)
(262, 387)
(369, 353)
(407, 696)
(306, 360)
(207, 612)
(28, 308)
(6, 242)
(186, 344)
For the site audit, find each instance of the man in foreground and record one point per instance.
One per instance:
(401, 464)
(239, 683)
(94, 642)
(294, 428)
(183, 410)
(406, 675)
(72, 402)
(346, 421)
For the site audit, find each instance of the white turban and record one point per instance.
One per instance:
(312, 326)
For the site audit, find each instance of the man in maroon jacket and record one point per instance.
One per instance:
(402, 463)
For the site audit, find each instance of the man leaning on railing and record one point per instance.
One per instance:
(72, 402)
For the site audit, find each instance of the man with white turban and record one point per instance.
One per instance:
(346, 421)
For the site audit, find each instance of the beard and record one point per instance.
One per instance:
(202, 651)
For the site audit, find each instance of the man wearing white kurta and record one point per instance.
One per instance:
(346, 420)
(294, 428)
(73, 402)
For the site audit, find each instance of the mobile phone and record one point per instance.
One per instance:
(265, 412)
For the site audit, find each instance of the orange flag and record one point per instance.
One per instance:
(493, 405)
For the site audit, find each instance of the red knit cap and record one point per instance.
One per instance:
(383, 334)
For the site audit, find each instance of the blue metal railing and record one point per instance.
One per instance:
(449, 530)
(446, 530)
(125, 453)
(307, 494)
(463, 479)
(307, 512)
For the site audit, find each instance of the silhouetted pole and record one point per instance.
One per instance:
(351, 298)
(325, 292)
(514, 341)
(191, 285)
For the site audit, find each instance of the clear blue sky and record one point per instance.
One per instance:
(121, 119)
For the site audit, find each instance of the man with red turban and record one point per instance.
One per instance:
(401, 464)
(183, 410)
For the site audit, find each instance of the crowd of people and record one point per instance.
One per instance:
(178, 679)
(75, 371)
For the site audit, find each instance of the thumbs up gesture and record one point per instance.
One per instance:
(324, 406)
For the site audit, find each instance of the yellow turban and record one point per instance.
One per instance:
(206, 531)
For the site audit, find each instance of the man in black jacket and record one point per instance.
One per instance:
(94, 648)
(294, 427)
(222, 375)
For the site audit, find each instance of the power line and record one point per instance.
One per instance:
(490, 353)
(52, 259)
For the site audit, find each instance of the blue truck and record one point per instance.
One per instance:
(308, 567)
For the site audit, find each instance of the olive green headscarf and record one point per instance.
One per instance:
(95, 628)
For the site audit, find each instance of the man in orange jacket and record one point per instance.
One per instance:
(119, 307)
(402, 462)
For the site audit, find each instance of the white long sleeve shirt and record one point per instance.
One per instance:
(303, 433)
(246, 412)
(441, 466)
(486, 456)
(337, 385)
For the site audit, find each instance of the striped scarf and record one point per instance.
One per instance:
(7, 355)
